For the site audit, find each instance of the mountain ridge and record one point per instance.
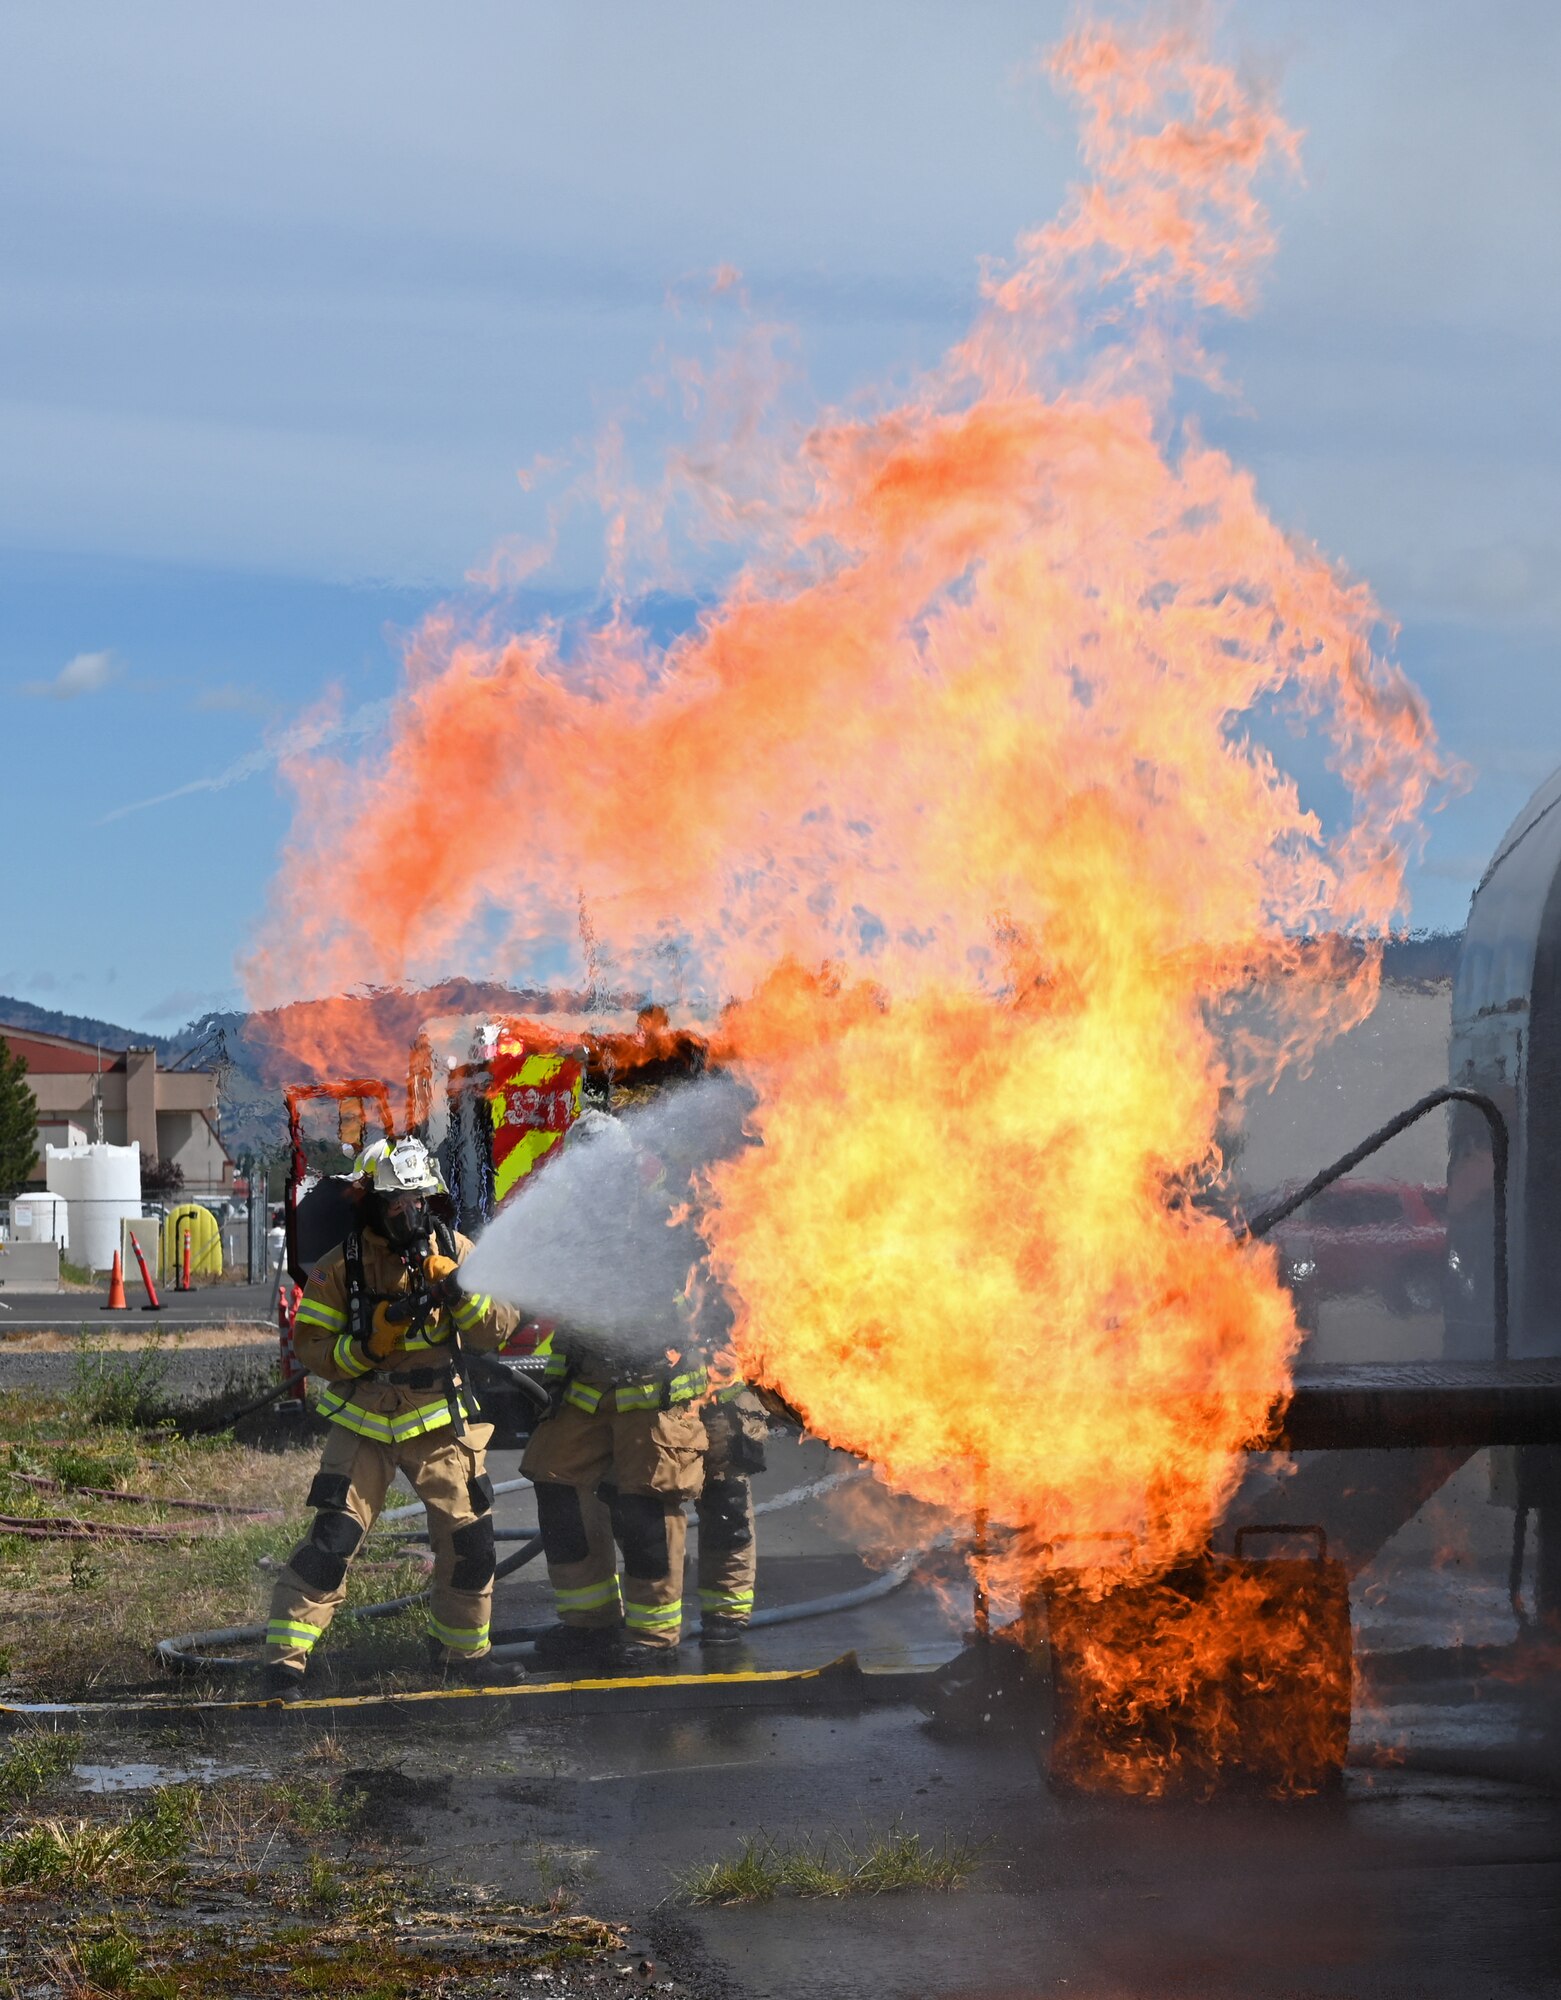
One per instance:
(248, 1049)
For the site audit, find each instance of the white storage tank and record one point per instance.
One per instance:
(102, 1188)
(40, 1218)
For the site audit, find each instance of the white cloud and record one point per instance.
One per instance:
(87, 673)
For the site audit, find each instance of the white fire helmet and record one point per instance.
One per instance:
(400, 1166)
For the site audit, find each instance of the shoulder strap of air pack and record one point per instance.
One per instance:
(357, 1287)
(444, 1237)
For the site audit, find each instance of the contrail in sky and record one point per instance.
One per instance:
(301, 738)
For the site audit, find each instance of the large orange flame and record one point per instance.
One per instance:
(967, 792)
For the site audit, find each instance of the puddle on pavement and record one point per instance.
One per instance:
(148, 1777)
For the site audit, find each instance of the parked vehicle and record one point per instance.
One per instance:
(1382, 1237)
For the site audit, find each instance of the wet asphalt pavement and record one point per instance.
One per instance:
(1436, 1872)
(1409, 1884)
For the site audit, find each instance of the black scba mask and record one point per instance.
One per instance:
(403, 1219)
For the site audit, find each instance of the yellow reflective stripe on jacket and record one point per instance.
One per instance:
(731, 1392)
(639, 1395)
(653, 1617)
(315, 1312)
(468, 1311)
(385, 1430)
(636, 1395)
(652, 1395)
(590, 1596)
(350, 1358)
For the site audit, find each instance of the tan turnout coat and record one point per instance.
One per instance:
(364, 1395)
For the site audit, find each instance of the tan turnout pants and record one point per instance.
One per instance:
(449, 1474)
(728, 1549)
(621, 1474)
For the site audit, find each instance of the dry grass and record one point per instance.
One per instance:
(133, 1339)
(276, 1889)
(77, 1616)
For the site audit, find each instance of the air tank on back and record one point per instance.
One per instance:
(1506, 1042)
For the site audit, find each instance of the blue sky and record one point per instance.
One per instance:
(292, 293)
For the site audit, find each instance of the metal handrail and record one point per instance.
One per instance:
(1500, 1151)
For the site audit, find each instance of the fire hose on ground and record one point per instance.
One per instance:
(182, 1653)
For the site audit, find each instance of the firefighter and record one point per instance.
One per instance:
(381, 1321)
(613, 1466)
(736, 1425)
(620, 1454)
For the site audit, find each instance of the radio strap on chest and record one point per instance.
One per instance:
(359, 1308)
(455, 1375)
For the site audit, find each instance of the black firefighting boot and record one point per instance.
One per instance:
(721, 1632)
(635, 1656)
(573, 1647)
(457, 1666)
(279, 1682)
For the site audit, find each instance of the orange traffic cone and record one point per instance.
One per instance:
(153, 1303)
(117, 1302)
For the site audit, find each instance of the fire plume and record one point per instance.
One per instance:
(966, 795)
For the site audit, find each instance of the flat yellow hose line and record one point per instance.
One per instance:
(846, 1666)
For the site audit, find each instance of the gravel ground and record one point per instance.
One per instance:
(191, 1372)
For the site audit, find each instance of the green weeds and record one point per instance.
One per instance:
(111, 1961)
(324, 1889)
(75, 1465)
(32, 1760)
(98, 1854)
(119, 1391)
(833, 1866)
(85, 1573)
(312, 1806)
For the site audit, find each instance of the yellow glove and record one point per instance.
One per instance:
(444, 1288)
(386, 1334)
(439, 1271)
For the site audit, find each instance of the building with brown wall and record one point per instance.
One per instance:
(172, 1114)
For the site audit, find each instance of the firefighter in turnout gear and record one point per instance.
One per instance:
(381, 1321)
(614, 1463)
(619, 1456)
